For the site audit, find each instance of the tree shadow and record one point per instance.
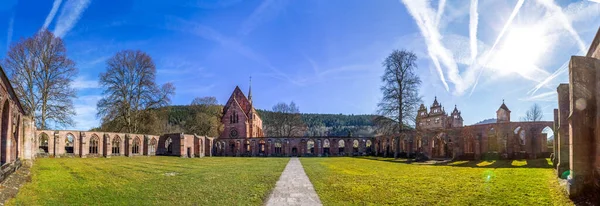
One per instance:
(523, 163)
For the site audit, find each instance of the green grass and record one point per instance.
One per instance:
(380, 181)
(142, 181)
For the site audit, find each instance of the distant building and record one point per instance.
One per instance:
(240, 119)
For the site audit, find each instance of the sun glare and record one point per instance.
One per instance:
(520, 51)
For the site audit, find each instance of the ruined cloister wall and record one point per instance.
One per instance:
(294, 146)
(503, 140)
(114, 144)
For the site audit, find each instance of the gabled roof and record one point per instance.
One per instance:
(239, 100)
(503, 106)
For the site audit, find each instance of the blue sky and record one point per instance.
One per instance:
(324, 55)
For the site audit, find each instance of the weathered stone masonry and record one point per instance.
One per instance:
(578, 127)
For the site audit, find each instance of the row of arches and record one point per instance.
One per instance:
(293, 147)
(69, 145)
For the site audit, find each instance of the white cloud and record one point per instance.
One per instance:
(69, 16)
(547, 96)
(83, 83)
(266, 10)
(52, 13)
(549, 32)
(474, 19)
(85, 108)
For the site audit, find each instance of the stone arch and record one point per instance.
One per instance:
(546, 144)
(326, 147)
(278, 147)
(43, 142)
(94, 145)
(368, 145)
(137, 145)
(247, 147)
(169, 146)
(116, 145)
(69, 143)
(492, 140)
(310, 146)
(238, 146)
(4, 133)
(355, 146)
(152, 146)
(341, 146)
(261, 147)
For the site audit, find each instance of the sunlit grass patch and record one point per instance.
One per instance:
(151, 181)
(456, 183)
(519, 163)
(486, 163)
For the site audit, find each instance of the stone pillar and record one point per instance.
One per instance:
(28, 151)
(107, 146)
(582, 79)
(563, 128)
(555, 142)
(82, 145)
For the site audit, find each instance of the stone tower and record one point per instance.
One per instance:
(503, 114)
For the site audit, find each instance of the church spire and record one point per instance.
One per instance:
(250, 91)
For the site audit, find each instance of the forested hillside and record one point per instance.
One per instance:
(205, 120)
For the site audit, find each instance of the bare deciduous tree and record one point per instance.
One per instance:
(131, 89)
(400, 93)
(286, 121)
(41, 74)
(204, 101)
(534, 114)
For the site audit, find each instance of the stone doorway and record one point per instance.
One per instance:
(294, 151)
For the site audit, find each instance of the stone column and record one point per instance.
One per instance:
(563, 128)
(555, 142)
(28, 151)
(582, 79)
(108, 144)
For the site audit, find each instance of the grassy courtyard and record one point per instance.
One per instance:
(379, 181)
(151, 181)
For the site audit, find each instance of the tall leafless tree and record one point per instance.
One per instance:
(534, 114)
(400, 93)
(130, 89)
(286, 121)
(41, 74)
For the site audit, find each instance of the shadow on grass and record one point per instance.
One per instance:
(528, 163)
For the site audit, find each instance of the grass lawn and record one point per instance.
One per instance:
(151, 181)
(379, 181)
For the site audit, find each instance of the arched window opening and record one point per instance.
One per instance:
(368, 144)
(116, 146)
(355, 146)
(278, 147)
(93, 145)
(261, 146)
(69, 143)
(522, 137)
(341, 146)
(547, 143)
(136, 146)
(310, 146)
(169, 145)
(153, 146)
(247, 146)
(43, 148)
